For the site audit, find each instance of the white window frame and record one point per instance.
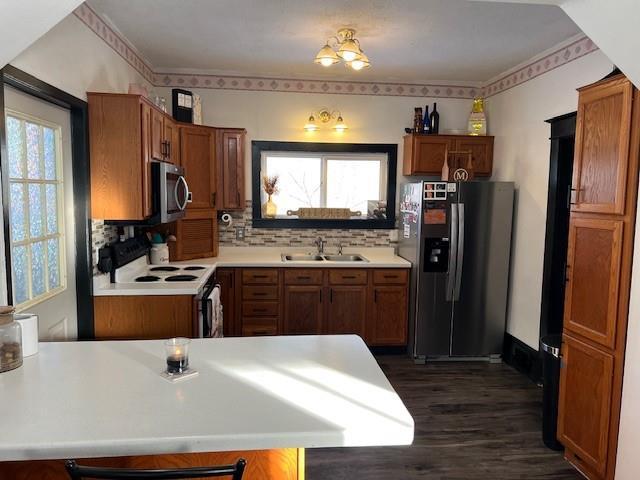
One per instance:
(60, 235)
(382, 158)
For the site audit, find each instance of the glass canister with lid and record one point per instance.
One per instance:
(10, 340)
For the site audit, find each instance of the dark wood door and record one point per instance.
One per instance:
(347, 310)
(602, 147)
(481, 149)
(593, 278)
(303, 309)
(230, 158)
(197, 158)
(389, 315)
(171, 139)
(585, 402)
(157, 135)
(225, 277)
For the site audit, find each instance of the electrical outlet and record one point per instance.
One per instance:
(239, 233)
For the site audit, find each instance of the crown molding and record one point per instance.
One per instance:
(561, 54)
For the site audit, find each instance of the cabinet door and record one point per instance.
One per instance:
(171, 137)
(347, 310)
(197, 235)
(230, 158)
(481, 149)
(302, 309)
(225, 277)
(602, 148)
(147, 186)
(593, 275)
(428, 154)
(156, 137)
(389, 316)
(585, 401)
(197, 159)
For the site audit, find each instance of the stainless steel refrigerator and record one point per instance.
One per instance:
(458, 238)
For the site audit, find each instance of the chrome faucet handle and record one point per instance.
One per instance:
(339, 248)
(319, 242)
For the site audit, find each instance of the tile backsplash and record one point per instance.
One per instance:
(297, 237)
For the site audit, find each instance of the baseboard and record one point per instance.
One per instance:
(522, 357)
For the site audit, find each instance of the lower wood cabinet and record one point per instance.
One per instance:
(388, 323)
(143, 317)
(347, 309)
(303, 309)
(585, 403)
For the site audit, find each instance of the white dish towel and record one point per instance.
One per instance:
(215, 317)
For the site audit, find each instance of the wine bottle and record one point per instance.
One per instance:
(417, 120)
(434, 120)
(426, 123)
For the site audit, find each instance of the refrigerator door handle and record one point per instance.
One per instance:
(460, 252)
(453, 252)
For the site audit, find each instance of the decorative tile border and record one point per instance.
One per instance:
(226, 82)
(115, 40)
(559, 55)
(555, 57)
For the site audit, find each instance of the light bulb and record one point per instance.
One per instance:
(348, 56)
(326, 62)
(357, 64)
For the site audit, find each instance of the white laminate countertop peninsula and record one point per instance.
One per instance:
(377, 257)
(95, 399)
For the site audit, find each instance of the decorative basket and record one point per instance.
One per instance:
(324, 213)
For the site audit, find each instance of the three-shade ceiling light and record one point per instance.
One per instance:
(346, 48)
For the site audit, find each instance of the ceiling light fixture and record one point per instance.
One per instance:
(346, 48)
(324, 115)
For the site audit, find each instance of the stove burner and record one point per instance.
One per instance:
(163, 269)
(180, 278)
(194, 267)
(147, 278)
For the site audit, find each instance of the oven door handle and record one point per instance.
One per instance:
(186, 193)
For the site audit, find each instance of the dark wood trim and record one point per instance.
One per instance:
(4, 168)
(258, 146)
(30, 85)
(522, 357)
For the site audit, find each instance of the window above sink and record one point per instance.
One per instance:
(318, 182)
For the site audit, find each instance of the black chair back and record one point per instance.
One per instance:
(77, 472)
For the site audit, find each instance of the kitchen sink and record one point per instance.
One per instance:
(345, 258)
(301, 257)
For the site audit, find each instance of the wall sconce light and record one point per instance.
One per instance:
(324, 115)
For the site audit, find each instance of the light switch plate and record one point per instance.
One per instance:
(239, 233)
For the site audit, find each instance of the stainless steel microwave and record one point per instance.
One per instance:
(170, 191)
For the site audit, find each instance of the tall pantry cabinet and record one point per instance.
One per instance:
(598, 273)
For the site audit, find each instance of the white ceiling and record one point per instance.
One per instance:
(407, 40)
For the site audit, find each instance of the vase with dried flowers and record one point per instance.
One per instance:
(270, 186)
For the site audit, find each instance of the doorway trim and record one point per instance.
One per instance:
(30, 85)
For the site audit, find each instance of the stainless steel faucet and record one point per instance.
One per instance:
(339, 248)
(320, 243)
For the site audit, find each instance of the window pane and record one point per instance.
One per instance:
(49, 153)
(34, 166)
(352, 183)
(37, 269)
(300, 182)
(15, 142)
(36, 192)
(53, 246)
(52, 209)
(20, 280)
(17, 218)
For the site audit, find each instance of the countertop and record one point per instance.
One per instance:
(378, 257)
(93, 399)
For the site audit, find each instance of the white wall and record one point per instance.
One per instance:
(516, 117)
(280, 116)
(74, 59)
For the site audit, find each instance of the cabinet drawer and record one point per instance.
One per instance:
(256, 326)
(259, 276)
(347, 276)
(297, 276)
(395, 276)
(260, 292)
(258, 309)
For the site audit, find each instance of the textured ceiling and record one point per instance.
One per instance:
(406, 40)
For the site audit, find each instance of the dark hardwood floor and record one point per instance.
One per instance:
(472, 421)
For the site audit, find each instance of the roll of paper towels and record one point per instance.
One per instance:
(29, 324)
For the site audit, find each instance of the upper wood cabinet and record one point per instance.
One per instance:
(197, 156)
(164, 139)
(197, 234)
(593, 277)
(230, 165)
(602, 147)
(426, 154)
(585, 403)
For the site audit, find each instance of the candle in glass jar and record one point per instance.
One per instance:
(177, 350)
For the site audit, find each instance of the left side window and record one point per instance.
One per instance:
(35, 201)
